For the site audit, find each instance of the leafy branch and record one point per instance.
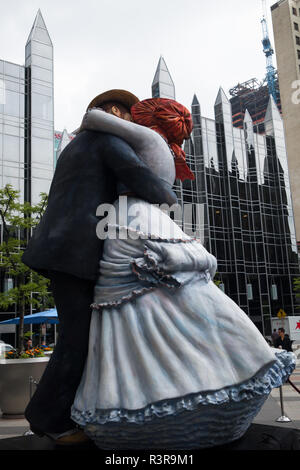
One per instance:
(17, 221)
(296, 288)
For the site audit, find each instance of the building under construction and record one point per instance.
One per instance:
(254, 96)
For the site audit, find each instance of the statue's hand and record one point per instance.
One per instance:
(93, 120)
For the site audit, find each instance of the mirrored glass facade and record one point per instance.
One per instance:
(39, 110)
(242, 187)
(12, 125)
(26, 117)
(26, 126)
(163, 85)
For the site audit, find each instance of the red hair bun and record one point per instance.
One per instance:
(173, 121)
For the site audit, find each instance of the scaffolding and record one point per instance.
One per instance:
(254, 96)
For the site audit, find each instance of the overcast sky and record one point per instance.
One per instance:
(105, 44)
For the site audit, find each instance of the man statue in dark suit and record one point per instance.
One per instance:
(65, 248)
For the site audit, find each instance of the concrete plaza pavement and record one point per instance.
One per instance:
(268, 415)
(271, 410)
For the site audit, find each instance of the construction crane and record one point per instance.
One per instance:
(268, 51)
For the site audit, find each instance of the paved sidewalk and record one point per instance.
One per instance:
(13, 427)
(270, 412)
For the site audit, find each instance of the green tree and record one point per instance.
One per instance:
(296, 284)
(17, 221)
(217, 280)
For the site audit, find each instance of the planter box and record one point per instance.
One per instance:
(15, 384)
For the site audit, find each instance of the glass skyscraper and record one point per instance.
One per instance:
(163, 85)
(12, 125)
(39, 148)
(27, 125)
(242, 188)
(26, 117)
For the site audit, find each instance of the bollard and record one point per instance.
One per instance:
(31, 382)
(282, 418)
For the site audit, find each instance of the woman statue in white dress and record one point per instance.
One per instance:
(173, 362)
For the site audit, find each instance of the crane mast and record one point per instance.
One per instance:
(268, 51)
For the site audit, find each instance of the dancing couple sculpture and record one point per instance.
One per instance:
(151, 353)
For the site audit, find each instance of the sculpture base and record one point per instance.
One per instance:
(258, 437)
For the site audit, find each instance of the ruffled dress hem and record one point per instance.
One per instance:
(257, 386)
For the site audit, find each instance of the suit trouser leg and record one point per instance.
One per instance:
(50, 407)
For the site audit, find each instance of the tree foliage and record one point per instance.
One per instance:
(296, 288)
(17, 221)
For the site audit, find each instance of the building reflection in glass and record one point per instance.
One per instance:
(242, 184)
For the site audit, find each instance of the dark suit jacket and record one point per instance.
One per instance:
(86, 176)
(286, 343)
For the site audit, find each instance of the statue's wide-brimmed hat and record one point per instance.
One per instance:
(124, 97)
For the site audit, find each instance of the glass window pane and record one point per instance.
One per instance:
(11, 69)
(37, 73)
(11, 170)
(22, 106)
(12, 103)
(42, 106)
(42, 89)
(40, 132)
(41, 35)
(37, 187)
(15, 182)
(42, 151)
(2, 91)
(11, 130)
(164, 77)
(42, 62)
(41, 49)
(166, 90)
(28, 49)
(12, 85)
(11, 148)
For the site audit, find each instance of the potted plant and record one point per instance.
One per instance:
(19, 372)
